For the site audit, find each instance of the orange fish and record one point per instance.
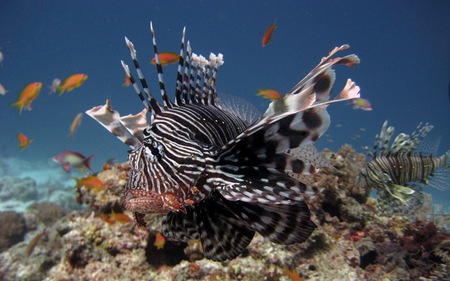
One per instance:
(270, 94)
(160, 241)
(268, 35)
(127, 82)
(71, 82)
(28, 95)
(166, 58)
(90, 182)
(361, 104)
(75, 124)
(107, 219)
(293, 274)
(119, 217)
(24, 142)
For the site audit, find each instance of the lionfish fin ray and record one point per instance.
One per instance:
(111, 120)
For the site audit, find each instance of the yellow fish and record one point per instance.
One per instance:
(28, 95)
(270, 94)
(71, 82)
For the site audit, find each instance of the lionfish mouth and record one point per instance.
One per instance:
(217, 175)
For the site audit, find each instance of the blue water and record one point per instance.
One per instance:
(404, 47)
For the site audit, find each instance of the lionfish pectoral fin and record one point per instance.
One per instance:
(402, 193)
(111, 120)
(223, 234)
(282, 224)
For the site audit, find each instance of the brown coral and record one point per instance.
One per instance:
(13, 229)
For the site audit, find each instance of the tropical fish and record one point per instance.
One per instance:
(55, 84)
(33, 243)
(75, 124)
(119, 217)
(71, 82)
(89, 182)
(28, 95)
(406, 161)
(217, 174)
(3, 91)
(267, 38)
(292, 274)
(160, 241)
(1, 58)
(68, 159)
(362, 104)
(24, 142)
(166, 58)
(270, 94)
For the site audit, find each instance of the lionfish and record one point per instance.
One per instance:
(406, 161)
(216, 174)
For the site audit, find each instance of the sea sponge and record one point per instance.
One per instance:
(13, 229)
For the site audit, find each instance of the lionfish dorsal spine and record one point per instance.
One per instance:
(167, 102)
(180, 71)
(149, 101)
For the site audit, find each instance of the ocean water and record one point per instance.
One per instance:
(404, 47)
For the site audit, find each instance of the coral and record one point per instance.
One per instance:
(46, 213)
(352, 242)
(13, 229)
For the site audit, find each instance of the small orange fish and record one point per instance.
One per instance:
(75, 124)
(107, 219)
(166, 58)
(24, 141)
(71, 82)
(160, 241)
(293, 274)
(89, 182)
(270, 94)
(268, 35)
(127, 82)
(28, 95)
(119, 217)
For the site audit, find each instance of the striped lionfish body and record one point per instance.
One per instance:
(406, 161)
(215, 174)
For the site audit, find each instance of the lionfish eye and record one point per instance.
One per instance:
(147, 131)
(153, 150)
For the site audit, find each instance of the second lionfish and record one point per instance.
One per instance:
(216, 174)
(394, 169)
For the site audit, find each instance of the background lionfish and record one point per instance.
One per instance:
(217, 175)
(408, 160)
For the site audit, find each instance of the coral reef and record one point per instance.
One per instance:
(352, 242)
(13, 229)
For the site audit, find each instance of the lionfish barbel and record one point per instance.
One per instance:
(407, 160)
(216, 174)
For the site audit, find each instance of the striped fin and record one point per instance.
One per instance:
(165, 97)
(261, 149)
(226, 228)
(111, 120)
(223, 234)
